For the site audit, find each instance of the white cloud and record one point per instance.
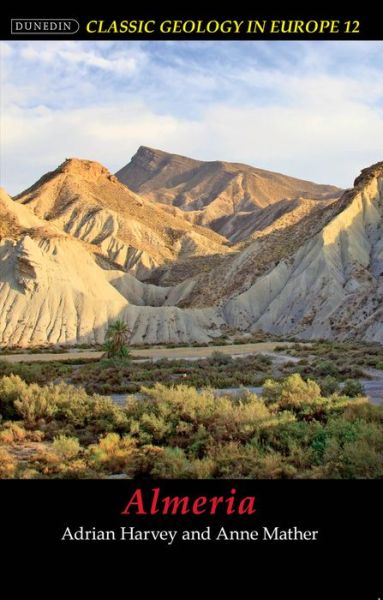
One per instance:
(123, 64)
(299, 141)
(39, 140)
(308, 119)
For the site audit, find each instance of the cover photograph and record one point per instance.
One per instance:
(191, 279)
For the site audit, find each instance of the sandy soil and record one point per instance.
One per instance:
(373, 387)
(152, 353)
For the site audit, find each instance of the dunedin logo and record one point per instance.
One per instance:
(44, 26)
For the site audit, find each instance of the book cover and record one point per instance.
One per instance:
(191, 278)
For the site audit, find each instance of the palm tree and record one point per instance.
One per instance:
(116, 339)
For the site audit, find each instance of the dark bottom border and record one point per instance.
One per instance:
(347, 515)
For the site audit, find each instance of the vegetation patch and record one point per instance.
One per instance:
(292, 431)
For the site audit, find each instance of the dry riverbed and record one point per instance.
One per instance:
(151, 353)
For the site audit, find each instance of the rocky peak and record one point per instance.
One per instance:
(145, 153)
(368, 174)
(146, 156)
(148, 159)
(81, 169)
(148, 163)
(88, 169)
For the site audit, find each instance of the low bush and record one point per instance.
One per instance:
(329, 385)
(352, 388)
(8, 465)
(292, 430)
(66, 447)
(292, 392)
(326, 367)
(12, 432)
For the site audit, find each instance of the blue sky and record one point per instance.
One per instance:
(309, 109)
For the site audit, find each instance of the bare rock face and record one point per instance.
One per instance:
(55, 288)
(54, 291)
(28, 257)
(214, 194)
(332, 285)
(71, 245)
(83, 199)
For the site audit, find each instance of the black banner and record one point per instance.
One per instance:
(191, 24)
(287, 520)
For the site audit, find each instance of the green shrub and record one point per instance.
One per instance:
(58, 403)
(66, 447)
(8, 465)
(292, 430)
(326, 367)
(234, 460)
(329, 385)
(352, 388)
(292, 392)
(365, 411)
(35, 403)
(221, 358)
(319, 444)
(114, 453)
(357, 459)
(10, 390)
(172, 463)
(12, 432)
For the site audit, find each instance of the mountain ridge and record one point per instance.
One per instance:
(209, 191)
(85, 200)
(305, 267)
